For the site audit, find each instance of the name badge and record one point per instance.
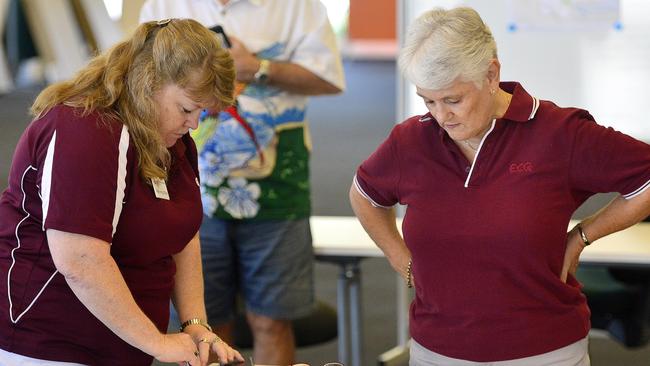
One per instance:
(160, 188)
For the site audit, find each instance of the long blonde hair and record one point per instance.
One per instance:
(122, 82)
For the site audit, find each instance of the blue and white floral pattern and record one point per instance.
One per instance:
(225, 146)
(210, 203)
(239, 199)
(211, 171)
(231, 148)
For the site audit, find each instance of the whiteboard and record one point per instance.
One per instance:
(564, 15)
(602, 69)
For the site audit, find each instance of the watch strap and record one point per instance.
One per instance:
(262, 74)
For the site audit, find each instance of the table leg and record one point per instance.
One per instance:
(343, 303)
(348, 305)
(403, 297)
(356, 332)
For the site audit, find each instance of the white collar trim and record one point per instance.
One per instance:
(478, 151)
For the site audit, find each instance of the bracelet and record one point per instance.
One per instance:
(198, 321)
(583, 236)
(409, 277)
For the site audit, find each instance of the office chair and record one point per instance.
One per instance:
(315, 328)
(619, 300)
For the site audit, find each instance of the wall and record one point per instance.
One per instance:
(372, 19)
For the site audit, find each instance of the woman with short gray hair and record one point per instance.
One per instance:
(444, 45)
(490, 178)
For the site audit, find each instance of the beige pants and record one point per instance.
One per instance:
(575, 354)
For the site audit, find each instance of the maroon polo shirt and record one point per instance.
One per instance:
(80, 175)
(488, 238)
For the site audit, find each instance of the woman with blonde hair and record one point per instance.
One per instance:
(490, 177)
(98, 227)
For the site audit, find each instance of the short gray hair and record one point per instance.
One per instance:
(443, 45)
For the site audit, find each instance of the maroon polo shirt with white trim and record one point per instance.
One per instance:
(488, 238)
(80, 175)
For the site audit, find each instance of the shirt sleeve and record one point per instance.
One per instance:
(605, 160)
(377, 178)
(318, 50)
(83, 179)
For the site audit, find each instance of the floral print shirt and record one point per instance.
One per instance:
(261, 170)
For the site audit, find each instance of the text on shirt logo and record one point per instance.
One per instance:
(523, 167)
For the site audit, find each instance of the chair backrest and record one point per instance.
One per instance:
(619, 300)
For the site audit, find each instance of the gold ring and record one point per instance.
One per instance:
(206, 340)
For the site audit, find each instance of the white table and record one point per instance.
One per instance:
(627, 248)
(342, 240)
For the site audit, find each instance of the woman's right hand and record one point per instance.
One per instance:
(574, 247)
(177, 347)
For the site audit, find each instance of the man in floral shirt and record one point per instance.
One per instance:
(254, 163)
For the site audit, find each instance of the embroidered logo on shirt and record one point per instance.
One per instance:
(522, 167)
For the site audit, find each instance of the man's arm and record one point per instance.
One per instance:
(287, 76)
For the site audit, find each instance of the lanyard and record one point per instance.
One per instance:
(232, 110)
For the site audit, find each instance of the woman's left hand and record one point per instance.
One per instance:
(225, 353)
(208, 342)
(574, 247)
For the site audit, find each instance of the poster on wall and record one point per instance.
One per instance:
(563, 15)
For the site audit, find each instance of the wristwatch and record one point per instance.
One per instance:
(262, 74)
(198, 321)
